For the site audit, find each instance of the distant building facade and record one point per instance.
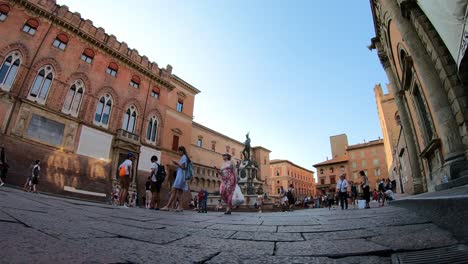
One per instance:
(284, 172)
(422, 48)
(368, 157)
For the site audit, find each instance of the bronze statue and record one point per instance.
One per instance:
(246, 151)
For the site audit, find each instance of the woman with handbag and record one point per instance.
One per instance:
(228, 181)
(180, 184)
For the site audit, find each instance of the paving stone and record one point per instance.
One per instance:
(157, 236)
(228, 258)
(245, 248)
(200, 232)
(340, 235)
(264, 236)
(311, 229)
(253, 228)
(133, 223)
(330, 248)
(26, 245)
(413, 237)
(141, 252)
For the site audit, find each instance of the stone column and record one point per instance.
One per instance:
(447, 128)
(416, 168)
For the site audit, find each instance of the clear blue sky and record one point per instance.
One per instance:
(293, 73)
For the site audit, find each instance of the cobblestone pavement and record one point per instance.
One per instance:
(37, 228)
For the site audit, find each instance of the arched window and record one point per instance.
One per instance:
(135, 82)
(130, 119)
(73, 99)
(88, 55)
(112, 69)
(152, 131)
(4, 10)
(103, 110)
(41, 85)
(60, 41)
(9, 69)
(31, 26)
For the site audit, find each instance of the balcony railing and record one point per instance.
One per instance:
(128, 136)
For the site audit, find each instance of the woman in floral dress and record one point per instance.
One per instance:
(228, 184)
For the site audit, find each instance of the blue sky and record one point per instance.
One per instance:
(293, 73)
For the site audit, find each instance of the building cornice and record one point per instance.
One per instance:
(195, 124)
(185, 84)
(129, 59)
(272, 162)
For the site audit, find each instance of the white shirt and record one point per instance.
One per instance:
(342, 185)
(154, 166)
(128, 166)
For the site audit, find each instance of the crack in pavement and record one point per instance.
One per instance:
(208, 258)
(28, 226)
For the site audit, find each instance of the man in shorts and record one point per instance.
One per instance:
(125, 178)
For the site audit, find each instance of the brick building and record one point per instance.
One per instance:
(368, 157)
(422, 48)
(79, 100)
(284, 172)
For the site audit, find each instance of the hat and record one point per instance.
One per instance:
(130, 154)
(226, 154)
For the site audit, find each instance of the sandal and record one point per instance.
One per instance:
(164, 209)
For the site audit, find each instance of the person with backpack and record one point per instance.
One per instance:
(184, 173)
(35, 175)
(158, 175)
(125, 173)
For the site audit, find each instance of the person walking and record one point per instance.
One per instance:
(291, 197)
(35, 175)
(366, 188)
(158, 174)
(180, 184)
(148, 193)
(3, 166)
(342, 189)
(382, 192)
(283, 199)
(354, 194)
(125, 173)
(228, 181)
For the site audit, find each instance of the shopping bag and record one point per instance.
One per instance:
(237, 197)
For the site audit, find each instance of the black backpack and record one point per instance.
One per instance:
(160, 174)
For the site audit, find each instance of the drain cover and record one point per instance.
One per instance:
(447, 255)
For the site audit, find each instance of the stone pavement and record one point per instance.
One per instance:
(37, 228)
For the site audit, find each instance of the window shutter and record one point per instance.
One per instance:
(63, 38)
(33, 23)
(136, 79)
(88, 53)
(113, 66)
(4, 9)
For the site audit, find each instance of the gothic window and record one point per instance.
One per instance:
(152, 131)
(135, 82)
(130, 119)
(88, 55)
(41, 85)
(331, 169)
(200, 142)
(112, 69)
(4, 10)
(103, 110)
(60, 41)
(9, 69)
(423, 113)
(73, 99)
(31, 26)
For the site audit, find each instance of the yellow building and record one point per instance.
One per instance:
(284, 172)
